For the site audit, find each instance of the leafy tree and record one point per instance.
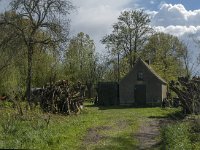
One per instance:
(10, 53)
(129, 35)
(31, 17)
(45, 68)
(80, 59)
(8, 41)
(166, 54)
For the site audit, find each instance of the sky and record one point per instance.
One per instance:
(96, 17)
(177, 17)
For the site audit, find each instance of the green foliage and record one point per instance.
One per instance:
(129, 35)
(80, 59)
(166, 54)
(9, 81)
(38, 27)
(46, 68)
(13, 61)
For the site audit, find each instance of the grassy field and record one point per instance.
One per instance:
(94, 128)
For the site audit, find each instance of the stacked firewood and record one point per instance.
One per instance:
(60, 97)
(188, 92)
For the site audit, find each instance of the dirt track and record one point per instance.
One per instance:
(148, 134)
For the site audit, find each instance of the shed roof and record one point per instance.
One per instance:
(151, 70)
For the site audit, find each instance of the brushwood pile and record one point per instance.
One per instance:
(59, 97)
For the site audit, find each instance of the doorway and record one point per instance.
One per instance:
(140, 94)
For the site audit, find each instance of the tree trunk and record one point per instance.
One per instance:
(29, 74)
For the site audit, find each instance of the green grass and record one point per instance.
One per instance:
(110, 128)
(177, 137)
(182, 135)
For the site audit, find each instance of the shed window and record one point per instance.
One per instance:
(140, 76)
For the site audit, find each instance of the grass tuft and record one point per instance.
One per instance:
(182, 135)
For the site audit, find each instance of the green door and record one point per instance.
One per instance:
(140, 95)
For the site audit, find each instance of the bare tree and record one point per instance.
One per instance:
(37, 22)
(187, 90)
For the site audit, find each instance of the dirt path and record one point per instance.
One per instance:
(93, 135)
(148, 134)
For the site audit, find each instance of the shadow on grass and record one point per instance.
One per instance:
(119, 107)
(106, 107)
(90, 105)
(176, 116)
(119, 143)
(109, 107)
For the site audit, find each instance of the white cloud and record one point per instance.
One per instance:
(169, 14)
(96, 17)
(187, 34)
(176, 20)
(179, 30)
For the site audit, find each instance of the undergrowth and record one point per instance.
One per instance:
(38, 130)
(182, 135)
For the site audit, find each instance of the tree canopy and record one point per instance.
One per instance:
(166, 54)
(37, 22)
(80, 58)
(129, 35)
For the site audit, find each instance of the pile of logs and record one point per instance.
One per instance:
(60, 97)
(188, 92)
